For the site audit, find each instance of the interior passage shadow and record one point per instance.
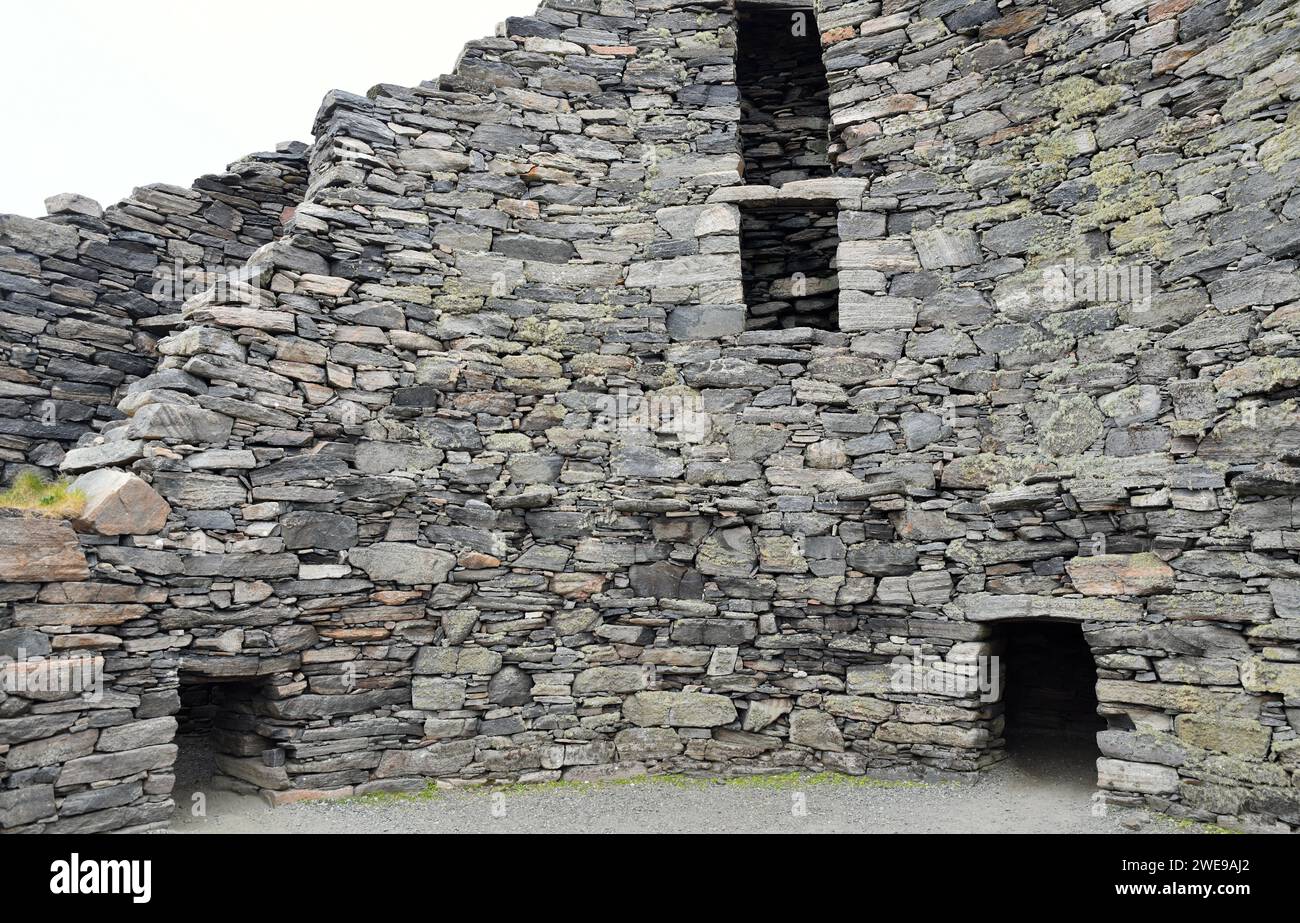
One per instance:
(1050, 699)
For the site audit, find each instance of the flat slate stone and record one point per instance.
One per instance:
(40, 550)
(399, 562)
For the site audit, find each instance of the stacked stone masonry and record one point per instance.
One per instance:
(477, 474)
(86, 293)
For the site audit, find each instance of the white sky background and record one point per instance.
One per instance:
(101, 96)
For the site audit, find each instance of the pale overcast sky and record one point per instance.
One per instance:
(101, 96)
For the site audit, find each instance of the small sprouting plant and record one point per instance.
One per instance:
(32, 493)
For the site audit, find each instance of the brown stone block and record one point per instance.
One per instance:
(40, 550)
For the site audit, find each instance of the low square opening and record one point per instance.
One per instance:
(217, 741)
(788, 260)
(784, 94)
(1050, 701)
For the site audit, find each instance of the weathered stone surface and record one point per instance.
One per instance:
(1147, 778)
(436, 760)
(764, 712)
(180, 422)
(877, 313)
(114, 452)
(103, 766)
(609, 679)
(859, 708)
(120, 503)
(713, 631)
(137, 734)
(1259, 675)
(1142, 747)
(940, 248)
(547, 434)
(201, 491)
(22, 806)
(926, 526)
(253, 771)
(43, 238)
(665, 580)
(328, 531)
(639, 462)
(510, 686)
(679, 709)
(19, 643)
(399, 562)
(815, 729)
(708, 322)
(728, 553)
(647, 743)
(51, 751)
(437, 694)
(1177, 698)
(40, 549)
(1214, 607)
(989, 607)
(1120, 575)
(1070, 426)
(881, 560)
(1239, 737)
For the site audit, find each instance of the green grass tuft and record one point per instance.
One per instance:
(32, 493)
(1188, 825)
(430, 792)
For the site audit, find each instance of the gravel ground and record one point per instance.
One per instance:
(1036, 793)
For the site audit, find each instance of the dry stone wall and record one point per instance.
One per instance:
(481, 476)
(86, 293)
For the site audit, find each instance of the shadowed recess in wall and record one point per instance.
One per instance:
(788, 265)
(785, 116)
(1050, 696)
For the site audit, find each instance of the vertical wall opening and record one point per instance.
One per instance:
(784, 94)
(788, 267)
(1050, 700)
(217, 740)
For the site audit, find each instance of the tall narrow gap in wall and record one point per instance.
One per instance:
(217, 741)
(788, 267)
(784, 94)
(1050, 699)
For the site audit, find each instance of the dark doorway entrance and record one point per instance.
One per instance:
(1050, 701)
(217, 739)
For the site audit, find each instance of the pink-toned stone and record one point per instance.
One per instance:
(40, 550)
(1120, 574)
(1014, 23)
(835, 36)
(1172, 59)
(577, 586)
(89, 615)
(1165, 9)
(477, 560)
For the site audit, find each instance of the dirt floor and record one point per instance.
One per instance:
(1036, 791)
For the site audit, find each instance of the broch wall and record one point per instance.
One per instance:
(86, 293)
(476, 472)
